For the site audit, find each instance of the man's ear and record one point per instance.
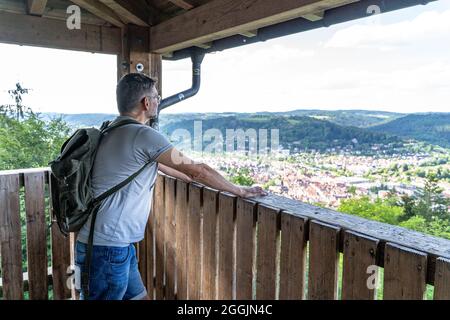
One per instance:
(146, 102)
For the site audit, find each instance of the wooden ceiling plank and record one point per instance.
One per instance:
(223, 18)
(130, 11)
(30, 30)
(36, 7)
(100, 10)
(182, 4)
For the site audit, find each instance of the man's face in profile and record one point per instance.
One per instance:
(153, 100)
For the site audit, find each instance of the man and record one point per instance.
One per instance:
(122, 217)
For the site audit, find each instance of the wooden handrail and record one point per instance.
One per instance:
(183, 211)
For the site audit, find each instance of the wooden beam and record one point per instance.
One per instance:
(50, 33)
(100, 10)
(182, 4)
(249, 34)
(36, 7)
(204, 45)
(129, 11)
(315, 16)
(134, 51)
(222, 18)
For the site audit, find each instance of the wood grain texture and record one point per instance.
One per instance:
(210, 205)
(193, 243)
(10, 237)
(292, 256)
(159, 237)
(323, 261)
(442, 280)
(36, 235)
(150, 252)
(222, 18)
(433, 246)
(266, 253)
(51, 33)
(245, 232)
(60, 259)
(404, 273)
(170, 236)
(36, 7)
(181, 216)
(100, 10)
(359, 260)
(227, 208)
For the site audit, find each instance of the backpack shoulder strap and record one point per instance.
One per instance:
(116, 188)
(116, 124)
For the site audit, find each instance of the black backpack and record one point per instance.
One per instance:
(73, 200)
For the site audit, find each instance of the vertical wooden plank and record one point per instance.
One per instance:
(60, 264)
(404, 273)
(60, 259)
(359, 264)
(266, 253)
(159, 239)
(150, 245)
(292, 256)
(245, 223)
(10, 237)
(227, 208)
(210, 204)
(442, 279)
(194, 245)
(181, 208)
(36, 235)
(170, 236)
(323, 261)
(142, 257)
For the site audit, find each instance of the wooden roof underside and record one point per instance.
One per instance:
(173, 25)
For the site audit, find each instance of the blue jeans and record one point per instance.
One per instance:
(114, 273)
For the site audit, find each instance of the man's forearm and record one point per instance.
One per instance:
(215, 180)
(174, 173)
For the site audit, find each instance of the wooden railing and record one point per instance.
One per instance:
(205, 244)
(26, 193)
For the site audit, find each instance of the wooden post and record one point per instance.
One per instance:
(10, 235)
(135, 50)
(36, 235)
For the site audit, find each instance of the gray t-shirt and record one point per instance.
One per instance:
(122, 217)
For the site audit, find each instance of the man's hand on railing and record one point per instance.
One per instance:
(249, 192)
(204, 174)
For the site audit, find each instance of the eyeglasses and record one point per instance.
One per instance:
(158, 98)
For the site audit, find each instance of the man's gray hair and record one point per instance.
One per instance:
(131, 89)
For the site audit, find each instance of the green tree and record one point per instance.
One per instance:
(431, 202)
(378, 210)
(27, 141)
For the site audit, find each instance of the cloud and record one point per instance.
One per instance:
(429, 25)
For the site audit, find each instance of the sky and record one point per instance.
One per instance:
(398, 62)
